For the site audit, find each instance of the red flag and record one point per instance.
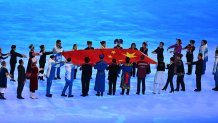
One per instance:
(109, 54)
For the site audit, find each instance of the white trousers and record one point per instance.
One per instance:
(2, 90)
(158, 81)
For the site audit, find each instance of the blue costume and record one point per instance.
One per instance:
(51, 73)
(125, 80)
(58, 58)
(69, 77)
(100, 76)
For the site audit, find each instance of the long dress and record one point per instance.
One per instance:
(33, 79)
(100, 76)
(126, 75)
(32, 54)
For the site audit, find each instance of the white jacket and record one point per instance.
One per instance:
(215, 67)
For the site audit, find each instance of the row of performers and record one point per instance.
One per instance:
(58, 49)
(114, 70)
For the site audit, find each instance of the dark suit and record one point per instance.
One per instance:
(171, 74)
(21, 79)
(180, 75)
(13, 61)
(114, 70)
(190, 56)
(86, 76)
(198, 72)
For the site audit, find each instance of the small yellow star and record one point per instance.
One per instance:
(109, 56)
(130, 55)
(113, 52)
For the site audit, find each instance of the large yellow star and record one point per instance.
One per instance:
(130, 55)
(113, 52)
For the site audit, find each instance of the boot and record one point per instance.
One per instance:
(2, 96)
(122, 93)
(127, 93)
(98, 94)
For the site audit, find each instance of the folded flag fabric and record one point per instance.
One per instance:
(78, 56)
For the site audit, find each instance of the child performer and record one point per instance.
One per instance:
(141, 74)
(113, 73)
(42, 61)
(171, 74)
(69, 77)
(52, 65)
(177, 48)
(103, 45)
(204, 51)
(33, 79)
(118, 43)
(215, 70)
(198, 71)
(58, 49)
(32, 55)
(159, 77)
(3, 79)
(126, 75)
(13, 60)
(144, 49)
(159, 51)
(86, 76)
(75, 67)
(133, 47)
(180, 71)
(89, 46)
(21, 79)
(189, 55)
(100, 76)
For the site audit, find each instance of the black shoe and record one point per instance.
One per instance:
(188, 73)
(127, 93)
(63, 95)
(215, 89)
(137, 93)
(197, 90)
(164, 89)
(176, 90)
(2, 96)
(82, 95)
(55, 78)
(171, 91)
(48, 95)
(12, 80)
(58, 77)
(143, 93)
(69, 96)
(97, 94)
(20, 97)
(102, 94)
(121, 93)
(113, 94)
(182, 89)
(109, 94)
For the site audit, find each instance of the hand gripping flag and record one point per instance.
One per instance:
(78, 56)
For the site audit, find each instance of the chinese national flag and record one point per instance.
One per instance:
(109, 54)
